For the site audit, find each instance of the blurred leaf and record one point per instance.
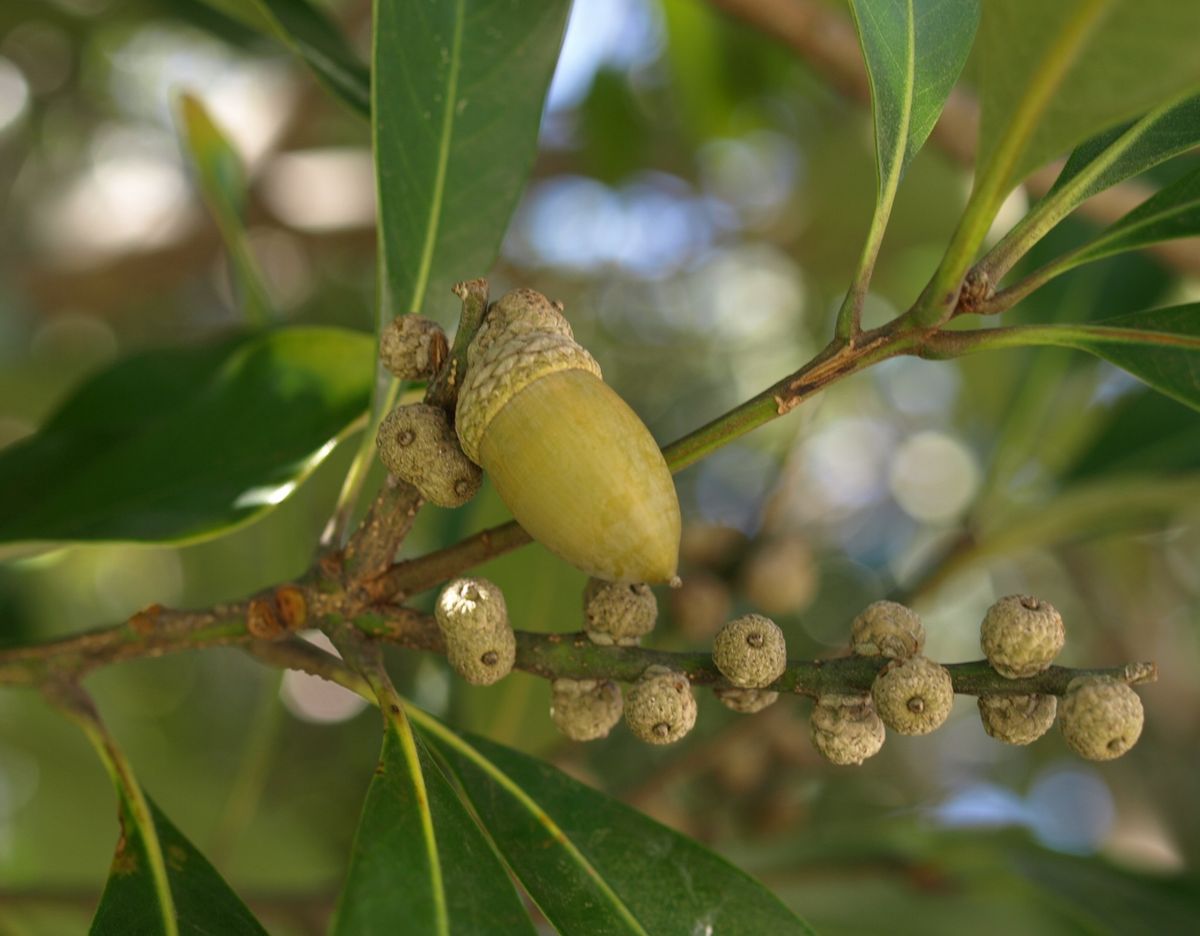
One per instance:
(914, 51)
(420, 862)
(458, 92)
(1054, 74)
(182, 444)
(309, 32)
(1144, 432)
(592, 864)
(222, 180)
(1110, 899)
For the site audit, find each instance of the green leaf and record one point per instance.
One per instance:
(1143, 433)
(222, 181)
(592, 864)
(1171, 213)
(1055, 74)
(203, 902)
(1098, 164)
(420, 862)
(182, 444)
(458, 91)
(914, 50)
(310, 33)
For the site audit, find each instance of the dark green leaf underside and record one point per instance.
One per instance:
(1144, 433)
(390, 886)
(593, 865)
(205, 905)
(180, 444)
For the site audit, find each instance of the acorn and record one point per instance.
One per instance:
(577, 468)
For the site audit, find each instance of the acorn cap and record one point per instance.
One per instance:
(1021, 635)
(885, 628)
(1017, 719)
(585, 709)
(470, 604)
(661, 708)
(618, 613)
(913, 696)
(846, 729)
(750, 651)
(507, 354)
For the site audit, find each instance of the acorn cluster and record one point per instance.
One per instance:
(1100, 717)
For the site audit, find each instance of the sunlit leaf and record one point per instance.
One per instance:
(594, 865)
(458, 91)
(222, 180)
(1054, 74)
(181, 444)
(420, 862)
(914, 50)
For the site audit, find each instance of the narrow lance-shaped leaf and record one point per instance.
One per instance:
(592, 864)
(458, 91)
(1161, 347)
(159, 883)
(1145, 433)
(1096, 165)
(309, 32)
(914, 51)
(1172, 213)
(222, 179)
(182, 444)
(420, 863)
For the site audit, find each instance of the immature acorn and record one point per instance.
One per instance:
(413, 347)
(618, 612)
(417, 445)
(661, 708)
(473, 619)
(572, 461)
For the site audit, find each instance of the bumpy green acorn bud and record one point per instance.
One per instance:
(618, 613)
(473, 619)
(572, 461)
(846, 729)
(1101, 717)
(745, 701)
(913, 696)
(585, 709)
(661, 708)
(886, 628)
(1017, 719)
(413, 347)
(1021, 635)
(750, 651)
(417, 445)
(482, 657)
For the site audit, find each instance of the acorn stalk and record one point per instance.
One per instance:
(575, 465)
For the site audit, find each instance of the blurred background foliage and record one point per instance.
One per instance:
(698, 203)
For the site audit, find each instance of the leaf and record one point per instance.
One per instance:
(592, 864)
(1098, 164)
(222, 180)
(914, 51)
(420, 863)
(1144, 433)
(203, 903)
(1054, 74)
(310, 33)
(458, 91)
(182, 444)
(1172, 213)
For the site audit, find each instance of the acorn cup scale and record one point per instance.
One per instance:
(575, 465)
